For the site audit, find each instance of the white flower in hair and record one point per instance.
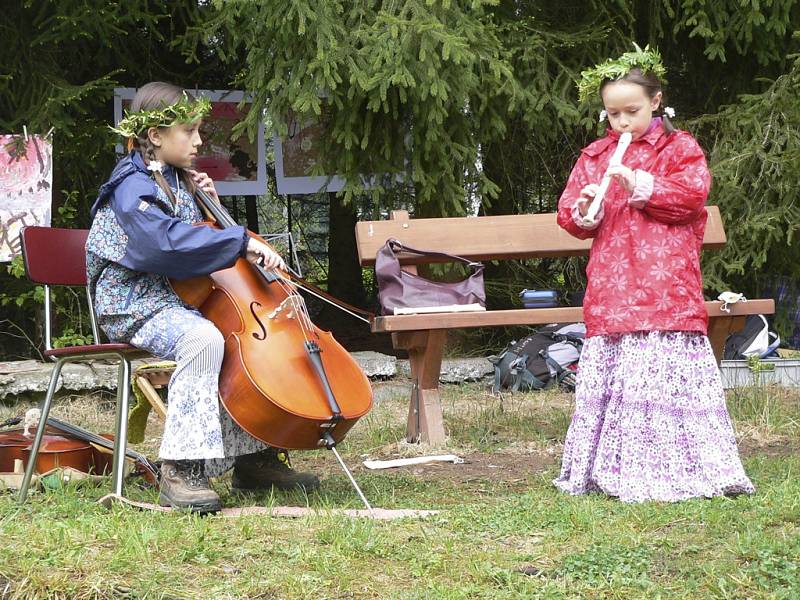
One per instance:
(155, 166)
(603, 115)
(669, 111)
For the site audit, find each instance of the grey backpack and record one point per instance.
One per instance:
(545, 358)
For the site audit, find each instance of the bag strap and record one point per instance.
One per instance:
(497, 362)
(568, 379)
(774, 344)
(519, 368)
(576, 339)
(550, 362)
(396, 245)
(562, 376)
(533, 381)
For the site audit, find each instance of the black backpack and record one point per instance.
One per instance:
(545, 358)
(755, 339)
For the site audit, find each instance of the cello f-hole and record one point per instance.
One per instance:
(263, 335)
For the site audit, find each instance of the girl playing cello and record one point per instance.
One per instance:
(141, 235)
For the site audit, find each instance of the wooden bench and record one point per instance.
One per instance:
(495, 238)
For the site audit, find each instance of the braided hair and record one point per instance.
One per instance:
(151, 96)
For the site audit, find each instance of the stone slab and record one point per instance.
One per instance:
(376, 365)
(75, 377)
(32, 377)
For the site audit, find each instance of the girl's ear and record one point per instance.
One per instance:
(154, 135)
(655, 102)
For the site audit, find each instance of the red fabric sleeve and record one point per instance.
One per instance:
(576, 182)
(679, 197)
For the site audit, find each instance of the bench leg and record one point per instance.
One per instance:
(425, 423)
(719, 328)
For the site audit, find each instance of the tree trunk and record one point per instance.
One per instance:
(506, 165)
(344, 279)
(344, 272)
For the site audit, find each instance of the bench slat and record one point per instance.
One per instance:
(491, 238)
(533, 316)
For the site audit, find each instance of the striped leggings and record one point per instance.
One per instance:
(197, 426)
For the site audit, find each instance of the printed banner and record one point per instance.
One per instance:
(297, 154)
(26, 180)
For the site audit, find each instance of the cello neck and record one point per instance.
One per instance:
(225, 220)
(221, 216)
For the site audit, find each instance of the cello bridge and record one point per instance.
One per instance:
(288, 304)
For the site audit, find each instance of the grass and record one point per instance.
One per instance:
(499, 514)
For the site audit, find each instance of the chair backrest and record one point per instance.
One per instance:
(54, 256)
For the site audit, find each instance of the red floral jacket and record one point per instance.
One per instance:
(644, 264)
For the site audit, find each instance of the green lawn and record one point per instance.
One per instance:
(499, 514)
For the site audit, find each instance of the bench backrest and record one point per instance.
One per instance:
(494, 237)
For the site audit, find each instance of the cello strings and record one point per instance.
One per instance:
(299, 307)
(323, 298)
(298, 301)
(223, 217)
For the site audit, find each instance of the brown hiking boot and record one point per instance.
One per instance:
(184, 485)
(269, 468)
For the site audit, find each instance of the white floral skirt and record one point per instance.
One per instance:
(650, 421)
(197, 427)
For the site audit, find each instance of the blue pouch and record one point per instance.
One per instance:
(539, 298)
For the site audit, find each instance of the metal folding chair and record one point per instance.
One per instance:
(58, 257)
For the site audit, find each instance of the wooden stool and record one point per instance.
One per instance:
(148, 378)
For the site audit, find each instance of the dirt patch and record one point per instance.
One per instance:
(780, 448)
(509, 469)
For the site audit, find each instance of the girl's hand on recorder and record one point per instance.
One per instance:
(259, 253)
(622, 175)
(585, 198)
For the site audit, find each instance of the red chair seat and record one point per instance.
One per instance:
(94, 349)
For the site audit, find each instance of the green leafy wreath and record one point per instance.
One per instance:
(649, 61)
(183, 111)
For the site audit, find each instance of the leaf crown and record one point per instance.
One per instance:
(647, 60)
(183, 111)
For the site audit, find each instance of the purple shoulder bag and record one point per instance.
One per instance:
(400, 289)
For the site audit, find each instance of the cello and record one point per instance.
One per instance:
(66, 445)
(283, 380)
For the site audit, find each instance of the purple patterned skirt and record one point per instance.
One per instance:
(650, 421)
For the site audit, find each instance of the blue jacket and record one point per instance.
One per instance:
(138, 240)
